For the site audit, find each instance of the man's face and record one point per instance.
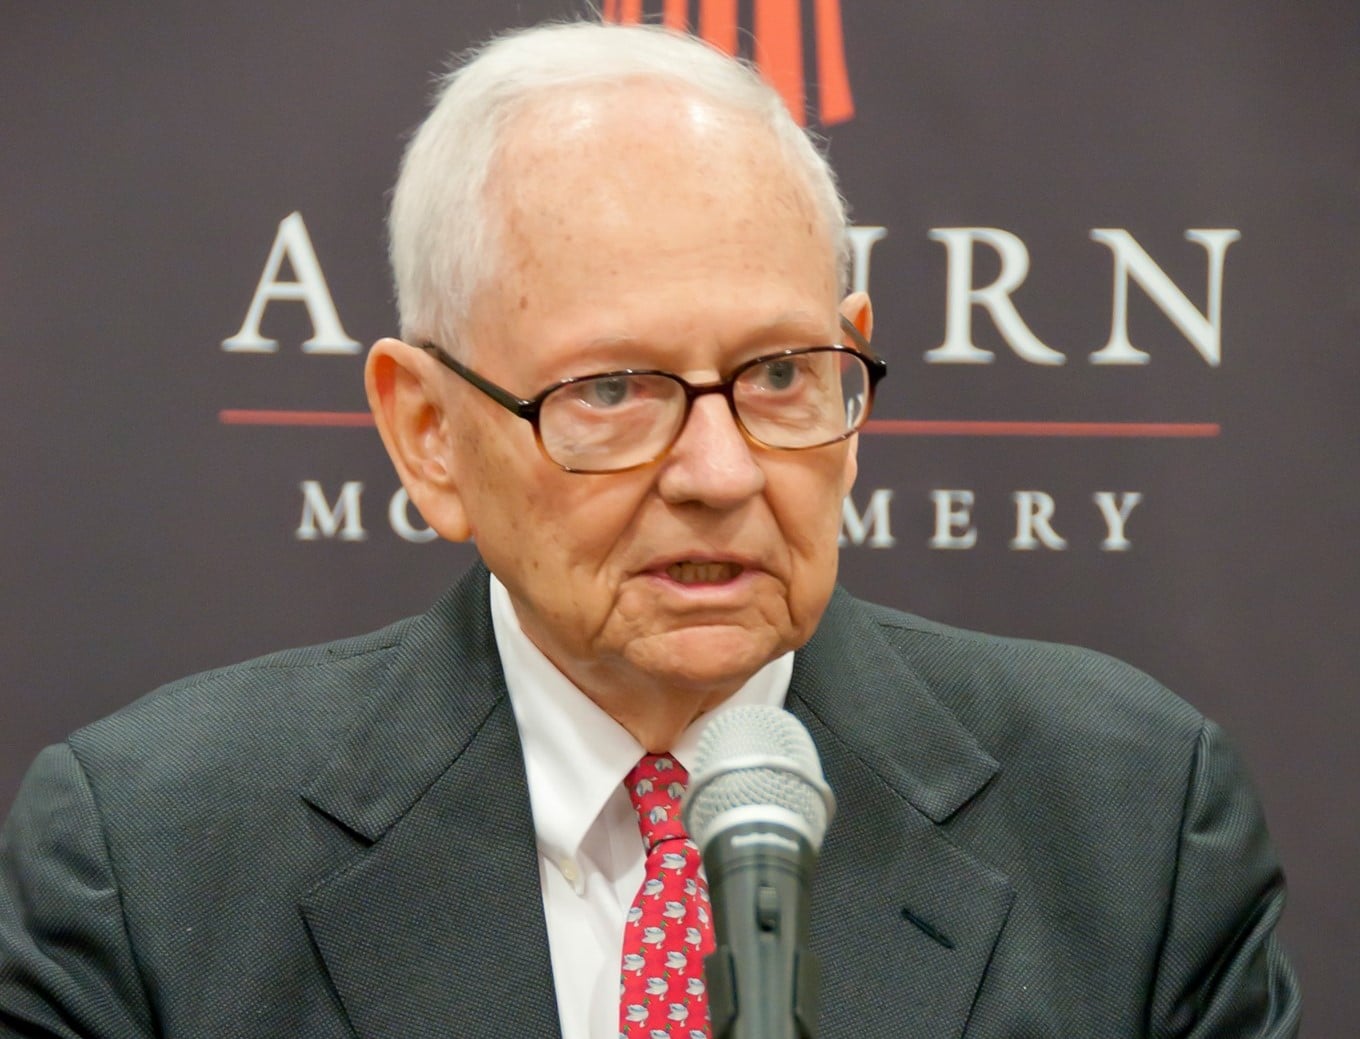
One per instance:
(647, 229)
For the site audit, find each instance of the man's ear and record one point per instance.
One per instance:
(401, 383)
(856, 309)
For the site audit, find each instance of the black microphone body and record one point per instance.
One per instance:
(762, 977)
(758, 808)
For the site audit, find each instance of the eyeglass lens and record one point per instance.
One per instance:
(615, 422)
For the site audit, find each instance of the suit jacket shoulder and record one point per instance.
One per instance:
(1078, 851)
(1066, 686)
(296, 845)
(261, 720)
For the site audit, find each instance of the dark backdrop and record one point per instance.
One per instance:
(151, 506)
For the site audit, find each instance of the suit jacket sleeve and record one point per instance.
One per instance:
(1222, 973)
(66, 962)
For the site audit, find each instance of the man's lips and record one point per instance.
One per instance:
(701, 569)
(696, 572)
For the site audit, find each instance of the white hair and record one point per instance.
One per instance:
(443, 240)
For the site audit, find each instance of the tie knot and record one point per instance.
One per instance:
(655, 785)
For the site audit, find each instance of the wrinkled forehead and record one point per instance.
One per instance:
(633, 167)
(596, 147)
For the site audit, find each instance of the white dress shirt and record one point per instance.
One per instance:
(590, 854)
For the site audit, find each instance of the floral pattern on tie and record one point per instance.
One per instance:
(669, 929)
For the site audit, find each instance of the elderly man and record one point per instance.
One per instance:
(628, 373)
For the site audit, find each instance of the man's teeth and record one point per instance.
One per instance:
(702, 573)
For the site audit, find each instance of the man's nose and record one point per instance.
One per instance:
(712, 461)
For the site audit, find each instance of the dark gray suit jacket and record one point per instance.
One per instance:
(1032, 841)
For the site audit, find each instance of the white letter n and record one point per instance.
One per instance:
(1204, 331)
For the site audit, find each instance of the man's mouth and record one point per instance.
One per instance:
(687, 572)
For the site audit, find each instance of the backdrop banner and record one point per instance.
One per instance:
(1112, 253)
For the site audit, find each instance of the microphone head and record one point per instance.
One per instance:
(757, 762)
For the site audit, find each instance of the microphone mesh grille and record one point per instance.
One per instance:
(794, 782)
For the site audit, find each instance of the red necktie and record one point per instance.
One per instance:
(669, 930)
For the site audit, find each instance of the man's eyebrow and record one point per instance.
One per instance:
(605, 342)
(793, 327)
(795, 324)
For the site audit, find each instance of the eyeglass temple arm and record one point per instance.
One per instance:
(523, 408)
(877, 366)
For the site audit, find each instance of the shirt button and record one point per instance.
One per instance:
(571, 874)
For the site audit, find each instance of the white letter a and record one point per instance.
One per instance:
(309, 289)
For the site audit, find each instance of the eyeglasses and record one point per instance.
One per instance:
(614, 421)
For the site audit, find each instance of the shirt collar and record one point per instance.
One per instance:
(575, 754)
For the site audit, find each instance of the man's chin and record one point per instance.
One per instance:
(714, 658)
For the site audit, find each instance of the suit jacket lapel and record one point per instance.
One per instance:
(435, 927)
(903, 920)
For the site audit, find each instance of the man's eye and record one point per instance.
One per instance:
(605, 393)
(779, 374)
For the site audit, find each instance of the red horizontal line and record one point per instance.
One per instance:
(889, 427)
(247, 417)
(953, 428)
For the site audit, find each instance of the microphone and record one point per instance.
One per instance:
(758, 807)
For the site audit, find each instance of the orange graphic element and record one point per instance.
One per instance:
(676, 15)
(779, 50)
(779, 46)
(718, 24)
(625, 12)
(833, 78)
